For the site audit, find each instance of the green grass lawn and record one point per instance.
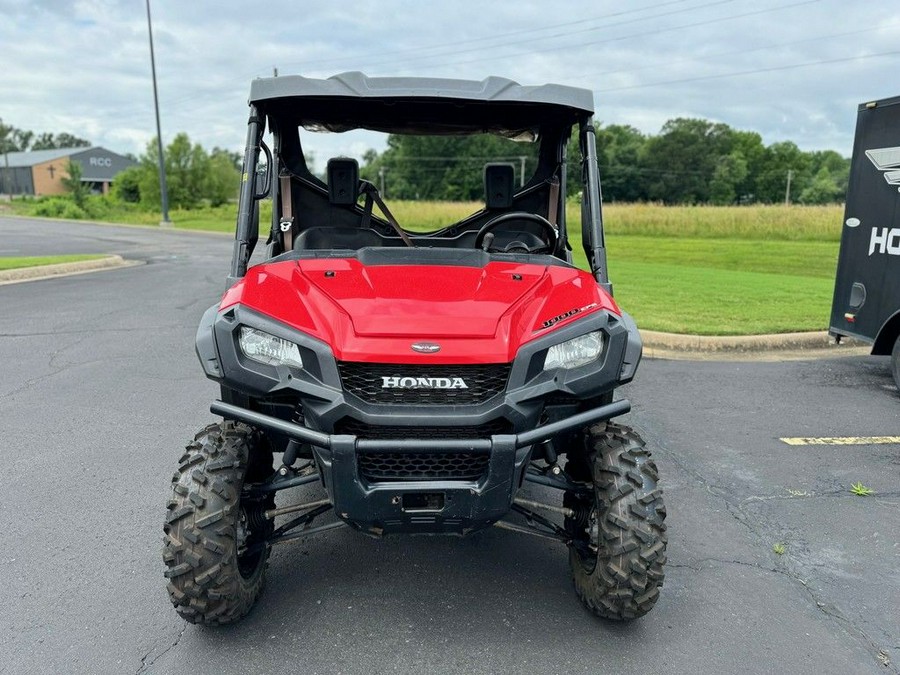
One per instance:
(11, 263)
(702, 270)
(709, 301)
(722, 286)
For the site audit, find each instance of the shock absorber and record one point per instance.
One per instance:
(293, 446)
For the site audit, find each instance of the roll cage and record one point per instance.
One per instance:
(409, 105)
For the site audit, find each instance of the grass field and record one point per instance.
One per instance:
(12, 263)
(705, 270)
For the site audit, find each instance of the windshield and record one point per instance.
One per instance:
(429, 182)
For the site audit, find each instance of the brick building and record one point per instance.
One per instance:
(40, 172)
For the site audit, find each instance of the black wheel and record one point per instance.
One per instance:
(214, 546)
(619, 547)
(895, 362)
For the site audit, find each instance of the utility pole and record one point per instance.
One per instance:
(274, 71)
(163, 189)
(6, 189)
(381, 190)
(4, 186)
(787, 189)
(522, 159)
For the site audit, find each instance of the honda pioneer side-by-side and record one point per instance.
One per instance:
(423, 380)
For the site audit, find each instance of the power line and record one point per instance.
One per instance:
(790, 66)
(176, 102)
(496, 36)
(708, 57)
(630, 36)
(566, 34)
(195, 96)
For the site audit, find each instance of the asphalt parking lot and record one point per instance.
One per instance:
(100, 389)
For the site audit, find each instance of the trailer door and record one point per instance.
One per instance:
(867, 284)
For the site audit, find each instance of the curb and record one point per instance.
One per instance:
(741, 343)
(752, 347)
(22, 274)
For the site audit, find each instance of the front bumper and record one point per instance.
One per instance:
(326, 402)
(428, 507)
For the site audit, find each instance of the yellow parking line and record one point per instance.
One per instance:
(843, 440)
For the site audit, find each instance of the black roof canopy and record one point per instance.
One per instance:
(411, 105)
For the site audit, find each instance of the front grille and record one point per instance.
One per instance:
(367, 381)
(363, 430)
(412, 466)
(397, 466)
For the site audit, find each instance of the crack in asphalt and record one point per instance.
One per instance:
(734, 509)
(56, 355)
(147, 664)
(881, 654)
(56, 370)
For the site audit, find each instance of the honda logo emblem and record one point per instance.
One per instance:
(425, 347)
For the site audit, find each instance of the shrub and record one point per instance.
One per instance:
(51, 208)
(73, 211)
(59, 207)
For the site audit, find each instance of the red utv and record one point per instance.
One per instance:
(421, 379)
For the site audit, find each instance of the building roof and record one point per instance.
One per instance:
(20, 159)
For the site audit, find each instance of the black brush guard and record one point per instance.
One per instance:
(438, 506)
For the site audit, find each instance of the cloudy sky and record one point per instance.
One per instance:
(789, 69)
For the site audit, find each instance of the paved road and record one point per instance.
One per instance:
(100, 388)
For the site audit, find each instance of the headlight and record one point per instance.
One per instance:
(266, 348)
(575, 352)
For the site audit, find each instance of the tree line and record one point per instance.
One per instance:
(690, 161)
(193, 175)
(13, 139)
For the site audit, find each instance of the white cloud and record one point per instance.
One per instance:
(83, 67)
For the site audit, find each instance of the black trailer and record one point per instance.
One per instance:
(866, 301)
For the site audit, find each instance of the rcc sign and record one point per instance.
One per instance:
(100, 161)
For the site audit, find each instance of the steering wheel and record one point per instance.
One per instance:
(495, 222)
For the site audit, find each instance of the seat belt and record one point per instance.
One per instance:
(286, 225)
(553, 206)
(387, 214)
(367, 213)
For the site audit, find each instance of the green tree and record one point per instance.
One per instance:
(681, 161)
(750, 147)
(186, 165)
(823, 189)
(127, 185)
(222, 179)
(7, 138)
(73, 184)
(192, 175)
(47, 141)
(728, 178)
(13, 139)
(443, 167)
(235, 158)
(619, 150)
(838, 167)
(772, 173)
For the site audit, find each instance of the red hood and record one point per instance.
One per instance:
(375, 313)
